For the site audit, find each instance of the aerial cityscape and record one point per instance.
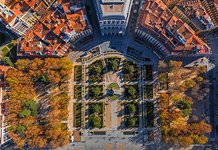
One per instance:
(108, 74)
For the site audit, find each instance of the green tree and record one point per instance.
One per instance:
(25, 113)
(183, 104)
(32, 106)
(131, 108)
(96, 122)
(114, 65)
(96, 91)
(131, 69)
(131, 122)
(21, 129)
(132, 91)
(96, 108)
(97, 69)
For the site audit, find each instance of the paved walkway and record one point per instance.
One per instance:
(114, 115)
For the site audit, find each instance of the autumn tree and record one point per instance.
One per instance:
(28, 125)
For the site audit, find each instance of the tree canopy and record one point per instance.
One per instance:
(30, 120)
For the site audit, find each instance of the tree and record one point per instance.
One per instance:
(189, 83)
(131, 122)
(26, 124)
(163, 77)
(131, 69)
(96, 122)
(97, 69)
(186, 141)
(96, 91)
(199, 139)
(162, 65)
(200, 128)
(131, 108)
(96, 108)
(114, 65)
(32, 106)
(132, 92)
(175, 65)
(21, 129)
(183, 104)
(25, 113)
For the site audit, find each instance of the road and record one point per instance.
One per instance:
(212, 39)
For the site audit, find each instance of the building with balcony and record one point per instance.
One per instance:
(194, 14)
(211, 7)
(113, 16)
(165, 33)
(172, 3)
(64, 24)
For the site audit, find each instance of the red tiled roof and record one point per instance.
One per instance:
(157, 17)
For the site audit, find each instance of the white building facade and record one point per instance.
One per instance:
(113, 16)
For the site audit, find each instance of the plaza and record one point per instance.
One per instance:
(120, 96)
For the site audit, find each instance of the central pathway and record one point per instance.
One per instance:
(114, 115)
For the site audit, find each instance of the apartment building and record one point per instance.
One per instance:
(64, 24)
(4, 138)
(211, 7)
(113, 16)
(22, 15)
(167, 34)
(172, 3)
(194, 14)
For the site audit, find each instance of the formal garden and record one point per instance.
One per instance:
(131, 117)
(109, 80)
(96, 114)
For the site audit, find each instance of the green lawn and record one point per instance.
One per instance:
(114, 86)
(112, 91)
(114, 97)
